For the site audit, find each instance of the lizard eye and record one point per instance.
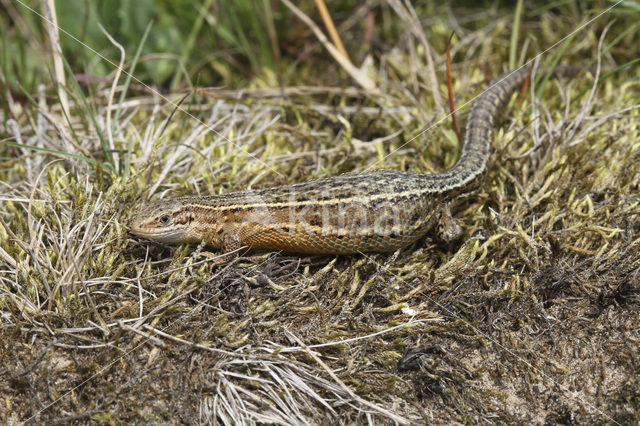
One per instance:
(164, 219)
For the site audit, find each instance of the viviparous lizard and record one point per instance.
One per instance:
(378, 211)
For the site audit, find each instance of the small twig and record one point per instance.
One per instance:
(525, 87)
(360, 77)
(112, 92)
(355, 339)
(154, 339)
(7, 258)
(452, 106)
(49, 9)
(331, 28)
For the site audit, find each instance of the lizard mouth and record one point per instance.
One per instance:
(161, 235)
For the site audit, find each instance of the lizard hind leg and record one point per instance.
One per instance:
(448, 228)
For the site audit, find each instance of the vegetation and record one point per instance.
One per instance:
(531, 315)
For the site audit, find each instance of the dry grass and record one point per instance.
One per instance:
(531, 316)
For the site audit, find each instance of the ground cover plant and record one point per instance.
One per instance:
(528, 314)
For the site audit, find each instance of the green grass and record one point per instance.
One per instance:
(530, 316)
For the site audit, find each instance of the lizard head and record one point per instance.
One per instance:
(166, 221)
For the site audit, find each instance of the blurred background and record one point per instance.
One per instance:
(224, 43)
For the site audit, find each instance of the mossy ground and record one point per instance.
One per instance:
(530, 316)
